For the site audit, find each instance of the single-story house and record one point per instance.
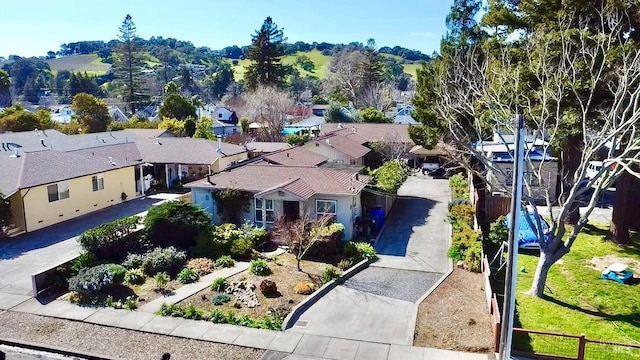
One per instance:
(338, 149)
(312, 124)
(259, 148)
(297, 156)
(46, 187)
(61, 114)
(289, 191)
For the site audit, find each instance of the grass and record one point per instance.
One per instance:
(578, 301)
(320, 61)
(91, 64)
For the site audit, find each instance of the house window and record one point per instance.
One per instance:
(58, 191)
(326, 207)
(531, 178)
(264, 211)
(98, 182)
(219, 115)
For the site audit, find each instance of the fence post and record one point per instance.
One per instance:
(581, 345)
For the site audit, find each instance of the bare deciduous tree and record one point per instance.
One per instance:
(268, 107)
(477, 91)
(299, 236)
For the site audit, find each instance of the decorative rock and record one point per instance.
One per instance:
(244, 292)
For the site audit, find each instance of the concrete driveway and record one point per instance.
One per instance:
(380, 303)
(26, 254)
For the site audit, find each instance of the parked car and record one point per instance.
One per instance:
(593, 169)
(429, 167)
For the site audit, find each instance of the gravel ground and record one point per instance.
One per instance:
(14, 353)
(112, 342)
(398, 284)
(455, 316)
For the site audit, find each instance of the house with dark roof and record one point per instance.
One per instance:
(289, 191)
(48, 186)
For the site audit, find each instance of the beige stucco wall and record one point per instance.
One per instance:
(223, 162)
(17, 211)
(39, 212)
(548, 181)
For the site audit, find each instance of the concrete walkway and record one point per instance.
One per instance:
(29, 253)
(380, 303)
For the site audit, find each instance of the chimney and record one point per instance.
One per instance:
(219, 149)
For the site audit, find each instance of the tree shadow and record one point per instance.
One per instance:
(407, 213)
(632, 319)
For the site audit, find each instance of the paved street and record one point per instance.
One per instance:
(380, 303)
(26, 254)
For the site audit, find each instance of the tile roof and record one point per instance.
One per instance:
(298, 156)
(302, 181)
(367, 132)
(343, 144)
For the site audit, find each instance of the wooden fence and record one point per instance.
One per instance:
(496, 206)
(492, 303)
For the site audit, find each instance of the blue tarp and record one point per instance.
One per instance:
(287, 131)
(527, 236)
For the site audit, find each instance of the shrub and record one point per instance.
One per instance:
(84, 260)
(220, 299)
(344, 264)
(188, 276)
(498, 231)
(91, 281)
(329, 274)
(461, 216)
(112, 240)
(269, 289)
(257, 235)
(134, 277)
(225, 261)
(295, 139)
(217, 317)
(241, 246)
(133, 261)
(202, 266)
(167, 260)
(232, 203)
(259, 267)
(473, 258)
(359, 251)
(118, 272)
(161, 279)
(459, 187)
(457, 202)
(305, 288)
(190, 312)
(389, 176)
(175, 223)
(219, 284)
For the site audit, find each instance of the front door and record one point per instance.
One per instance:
(291, 210)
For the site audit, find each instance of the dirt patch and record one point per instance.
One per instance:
(283, 272)
(602, 262)
(455, 316)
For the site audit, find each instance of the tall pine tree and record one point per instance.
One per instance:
(266, 51)
(128, 64)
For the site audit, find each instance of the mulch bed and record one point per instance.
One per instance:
(455, 316)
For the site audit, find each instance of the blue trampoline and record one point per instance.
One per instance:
(527, 236)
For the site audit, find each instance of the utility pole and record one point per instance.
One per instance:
(508, 310)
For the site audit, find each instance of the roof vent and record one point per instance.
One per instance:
(339, 126)
(328, 142)
(111, 161)
(4, 148)
(42, 142)
(353, 129)
(16, 154)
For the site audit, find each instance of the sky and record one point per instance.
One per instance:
(35, 27)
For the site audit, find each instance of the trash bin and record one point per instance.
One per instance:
(377, 215)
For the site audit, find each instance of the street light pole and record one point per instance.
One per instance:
(506, 330)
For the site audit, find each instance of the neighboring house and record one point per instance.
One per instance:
(296, 156)
(318, 110)
(61, 114)
(499, 182)
(117, 114)
(259, 148)
(223, 129)
(403, 115)
(289, 191)
(150, 112)
(338, 149)
(309, 125)
(222, 114)
(47, 187)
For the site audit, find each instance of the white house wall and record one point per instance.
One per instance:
(330, 152)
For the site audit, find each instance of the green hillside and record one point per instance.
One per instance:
(90, 63)
(321, 64)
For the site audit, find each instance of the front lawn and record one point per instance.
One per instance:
(577, 301)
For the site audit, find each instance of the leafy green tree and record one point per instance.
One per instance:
(16, 118)
(171, 88)
(128, 64)
(218, 83)
(178, 107)
(265, 52)
(5, 93)
(371, 115)
(91, 113)
(390, 176)
(371, 68)
(83, 83)
(203, 129)
(175, 126)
